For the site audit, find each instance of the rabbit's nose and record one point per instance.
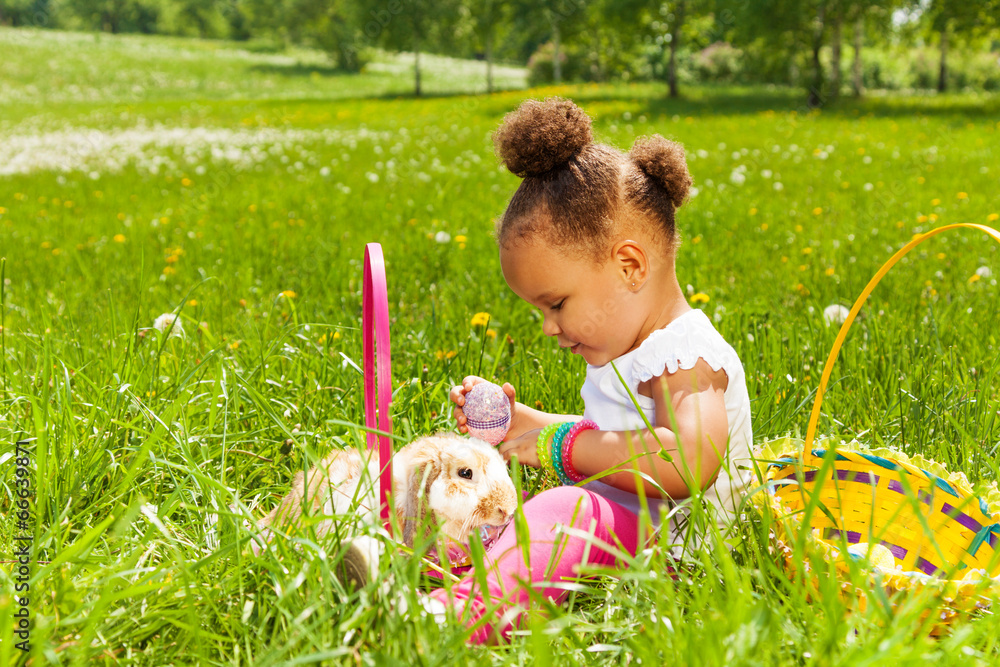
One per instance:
(503, 515)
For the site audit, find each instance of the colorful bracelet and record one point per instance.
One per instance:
(542, 446)
(567, 449)
(557, 453)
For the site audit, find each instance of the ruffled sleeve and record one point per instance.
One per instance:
(680, 345)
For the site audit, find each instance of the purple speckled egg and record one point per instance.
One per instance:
(487, 412)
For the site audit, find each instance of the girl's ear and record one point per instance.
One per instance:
(632, 263)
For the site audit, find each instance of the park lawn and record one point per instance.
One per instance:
(239, 190)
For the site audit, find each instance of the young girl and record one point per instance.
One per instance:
(589, 239)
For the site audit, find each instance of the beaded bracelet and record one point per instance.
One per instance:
(567, 449)
(557, 453)
(542, 446)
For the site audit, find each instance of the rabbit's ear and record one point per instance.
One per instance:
(425, 470)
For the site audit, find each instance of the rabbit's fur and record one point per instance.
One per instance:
(463, 482)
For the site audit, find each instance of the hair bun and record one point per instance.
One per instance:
(539, 136)
(663, 161)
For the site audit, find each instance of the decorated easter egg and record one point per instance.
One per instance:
(487, 412)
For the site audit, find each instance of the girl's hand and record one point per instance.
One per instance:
(524, 446)
(457, 396)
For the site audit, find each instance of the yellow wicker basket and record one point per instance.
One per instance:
(944, 539)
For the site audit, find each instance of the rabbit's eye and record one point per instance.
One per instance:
(465, 473)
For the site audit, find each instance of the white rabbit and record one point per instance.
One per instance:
(462, 482)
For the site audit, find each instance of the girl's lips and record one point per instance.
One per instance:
(574, 349)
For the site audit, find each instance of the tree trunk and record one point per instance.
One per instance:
(815, 98)
(556, 65)
(675, 38)
(857, 82)
(489, 59)
(943, 70)
(416, 64)
(835, 58)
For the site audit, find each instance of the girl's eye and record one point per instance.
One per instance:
(465, 473)
(559, 305)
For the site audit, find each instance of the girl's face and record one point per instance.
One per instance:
(585, 305)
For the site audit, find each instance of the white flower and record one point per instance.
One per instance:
(442, 237)
(869, 187)
(984, 272)
(766, 173)
(737, 177)
(835, 314)
(778, 186)
(169, 321)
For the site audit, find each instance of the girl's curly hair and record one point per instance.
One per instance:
(574, 188)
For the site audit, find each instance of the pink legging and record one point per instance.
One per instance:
(508, 576)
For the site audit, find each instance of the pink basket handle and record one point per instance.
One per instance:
(375, 304)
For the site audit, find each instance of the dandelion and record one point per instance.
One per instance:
(442, 237)
(480, 319)
(778, 186)
(737, 177)
(830, 271)
(186, 182)
(243, 303)
(700, 297)
(119, 238)
(289, 294)
(763, 227)
(234, 345)
(974, 278)
(869, 187)
(963, 195)
(921, 218)
(835, 314)
(935, 201)
(984, 272)
(193, 302)
(845, 184)
(993, 217)
(807, 251)
(818, 210)
(441, 354)
(169, 270)
(753, 211)
(169, 322)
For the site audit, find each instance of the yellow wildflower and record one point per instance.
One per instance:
(993, 217)
(480, 319)
(830, 271)
(193, 302)
(700, 297)
(818, 210)
(119, 238)
(753, 211)
(289, 294)
(460, 238)
(963, 195)
(935, 201)
(973, 278)
(186, 182)
(807, 251)
(492, 333)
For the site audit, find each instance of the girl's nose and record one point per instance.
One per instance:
(550, 328)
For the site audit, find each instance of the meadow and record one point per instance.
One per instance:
(142, 176)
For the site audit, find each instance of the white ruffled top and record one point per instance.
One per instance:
(679, 345)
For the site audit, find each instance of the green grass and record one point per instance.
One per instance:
(239, 178)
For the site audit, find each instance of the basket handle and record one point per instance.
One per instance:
(375, 345)
(832, 358)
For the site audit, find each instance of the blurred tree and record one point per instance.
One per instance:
(960, 18)
(487, 18)
(785, 25)
(414, 25)
(117, 16)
